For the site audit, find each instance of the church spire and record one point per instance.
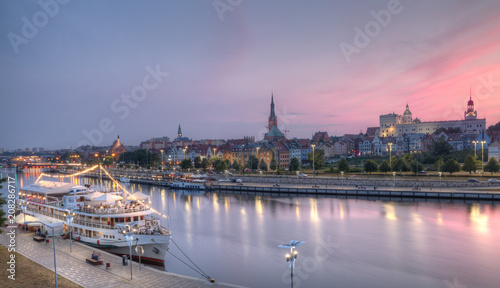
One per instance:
(179, 132)
(273, 120)
(272, 115)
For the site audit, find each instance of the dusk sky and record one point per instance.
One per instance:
(211, 66)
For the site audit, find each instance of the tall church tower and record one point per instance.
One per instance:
(470, 114)
(179, 132)
(273, 120)
(407, 116)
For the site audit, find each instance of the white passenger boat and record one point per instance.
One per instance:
(99, 218)
(125, 180)
(189, 184)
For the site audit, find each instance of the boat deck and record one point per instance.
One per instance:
(73, 266)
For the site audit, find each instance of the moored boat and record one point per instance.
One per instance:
(99, 218)
(189, 184)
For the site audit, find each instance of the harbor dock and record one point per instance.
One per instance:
(73, 266)
(363, 192)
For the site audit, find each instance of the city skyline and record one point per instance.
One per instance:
(331, 67)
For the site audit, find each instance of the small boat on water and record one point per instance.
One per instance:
(197, 184)
(124, 179)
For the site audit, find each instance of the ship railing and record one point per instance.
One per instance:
(93, 224)
(111, 210)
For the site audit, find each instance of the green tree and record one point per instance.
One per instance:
(236, 166)
(370, 166)
(416, 167)
(400, 165)
(439, 164)
(319, 158)
(294, 164)
(219, 165)
(108, 161)
(262, 165)
(492, 166)
(197, 162)
(451, 166)
(253, 162)
(394, 159)
(274, 164)
(441, 147)
(143, 157)
(204, 163)
(332, 170)
(186, 164)
(343, 165)
(469, 164)
(2, 202)
(385, 167)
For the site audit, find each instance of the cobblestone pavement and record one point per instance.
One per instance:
(72, 265)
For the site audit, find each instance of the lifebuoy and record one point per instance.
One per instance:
(97, 242)
(78, 238)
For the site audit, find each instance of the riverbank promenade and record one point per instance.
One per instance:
(73, 266)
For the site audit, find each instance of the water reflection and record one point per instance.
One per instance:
(377, 243)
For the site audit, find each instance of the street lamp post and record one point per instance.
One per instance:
(394, 179)
(390, 154)
(290, 258)
(53, 247)
(161, 159)
(69, 218)
(417, 148)
(129, 235)
(23, 208)
(482, 155)
(440, 173)
(314, 171)
(184, 150)
(341, 181)
(475, 143)
(257, 156)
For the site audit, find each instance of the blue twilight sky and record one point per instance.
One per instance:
(73, 72)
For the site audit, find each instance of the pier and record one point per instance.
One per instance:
(360, 192)
(73, 266)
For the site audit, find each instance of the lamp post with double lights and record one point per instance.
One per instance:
(129, 235)
(69, 219)
(290, 258)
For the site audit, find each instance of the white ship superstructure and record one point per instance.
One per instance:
(99, 218)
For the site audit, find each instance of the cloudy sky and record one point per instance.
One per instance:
(84, 71)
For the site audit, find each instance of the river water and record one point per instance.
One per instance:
(348, 242)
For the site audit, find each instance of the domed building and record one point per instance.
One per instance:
(407, 117)
(470, 114)
(393, 125)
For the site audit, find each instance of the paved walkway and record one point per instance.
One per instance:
(73, 266)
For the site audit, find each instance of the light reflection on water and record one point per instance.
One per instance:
(349, 242)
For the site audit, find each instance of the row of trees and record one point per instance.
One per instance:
(408, 163)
